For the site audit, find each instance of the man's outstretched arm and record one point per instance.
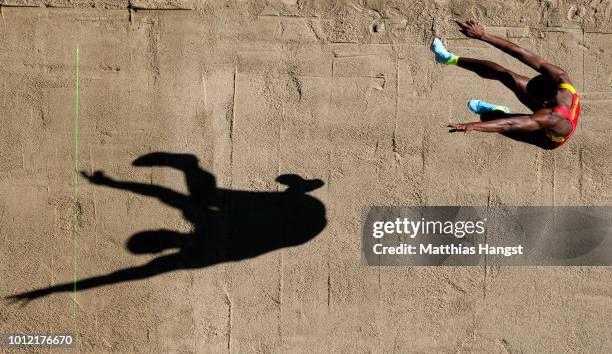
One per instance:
(474, 30)
(522, 123)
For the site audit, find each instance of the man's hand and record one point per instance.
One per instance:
(459, 127)
(471, 29)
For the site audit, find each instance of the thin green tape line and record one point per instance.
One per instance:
(77, 208)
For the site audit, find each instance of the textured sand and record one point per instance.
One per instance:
(343, 91)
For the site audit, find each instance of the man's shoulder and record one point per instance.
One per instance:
(547, 116)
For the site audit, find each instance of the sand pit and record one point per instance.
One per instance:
(312, 110)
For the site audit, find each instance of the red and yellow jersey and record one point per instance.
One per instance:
(572, 114)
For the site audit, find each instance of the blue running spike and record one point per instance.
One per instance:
(443, 56)
(480, 107)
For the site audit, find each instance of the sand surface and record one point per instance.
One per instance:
(345, 92)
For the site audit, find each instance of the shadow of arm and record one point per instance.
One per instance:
(166, 195)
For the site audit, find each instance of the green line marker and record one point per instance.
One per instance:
(77, 208)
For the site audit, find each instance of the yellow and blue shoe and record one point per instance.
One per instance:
(443, 56)
(479, 107)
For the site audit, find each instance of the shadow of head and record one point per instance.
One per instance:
(297, 184)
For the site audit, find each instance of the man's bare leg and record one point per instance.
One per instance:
(493, 71)
(488, 70)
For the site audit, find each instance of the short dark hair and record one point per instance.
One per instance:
(541, 88)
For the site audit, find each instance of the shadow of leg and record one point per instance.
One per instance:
(159, 265)
(155, 241)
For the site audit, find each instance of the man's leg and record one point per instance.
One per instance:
(488, 70)
(493, 71)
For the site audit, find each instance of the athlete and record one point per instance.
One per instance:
(551, 95)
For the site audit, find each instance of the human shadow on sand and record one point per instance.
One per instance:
(228, 225)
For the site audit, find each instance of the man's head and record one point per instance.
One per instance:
(542, 89)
